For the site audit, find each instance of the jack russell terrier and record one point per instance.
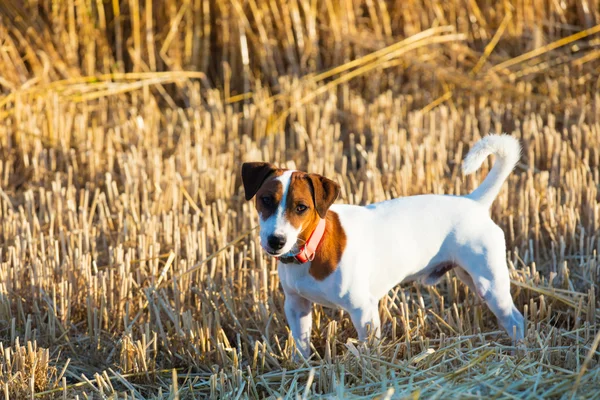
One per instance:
(349, 257)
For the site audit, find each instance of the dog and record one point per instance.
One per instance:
(348, 257)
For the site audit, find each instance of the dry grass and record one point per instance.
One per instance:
(129, 261)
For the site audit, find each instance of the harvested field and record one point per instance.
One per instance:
(130, 265)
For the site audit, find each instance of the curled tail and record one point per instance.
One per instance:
(507, 150)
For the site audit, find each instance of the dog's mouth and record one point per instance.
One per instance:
(275, 253)
(291, 252)
(271, 252)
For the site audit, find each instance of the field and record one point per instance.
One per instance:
(130, 265)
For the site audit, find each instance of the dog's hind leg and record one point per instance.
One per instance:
(466, 279)
(488, 273)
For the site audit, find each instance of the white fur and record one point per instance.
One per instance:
(508, 151)
(277, 224)
(405, 239)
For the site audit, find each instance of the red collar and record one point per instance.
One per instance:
(307, 252)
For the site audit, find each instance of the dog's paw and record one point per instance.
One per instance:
(519, 348)
(299, 358)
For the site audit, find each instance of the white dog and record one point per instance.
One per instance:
(348, 257)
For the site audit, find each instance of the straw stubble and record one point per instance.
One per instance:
(129, 261)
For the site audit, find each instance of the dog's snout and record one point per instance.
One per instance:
(276, 242)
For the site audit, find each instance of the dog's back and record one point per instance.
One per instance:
(406, 238)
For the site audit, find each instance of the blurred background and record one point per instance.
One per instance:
(129, 260)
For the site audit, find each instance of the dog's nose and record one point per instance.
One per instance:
(276, 242)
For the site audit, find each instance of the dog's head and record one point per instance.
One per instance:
(289, 203)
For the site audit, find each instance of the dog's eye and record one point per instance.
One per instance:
(300, 208)
(267, 200)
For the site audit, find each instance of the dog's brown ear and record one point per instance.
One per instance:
(325, 191)
(253, 176)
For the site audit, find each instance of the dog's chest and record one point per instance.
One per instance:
(296, 279)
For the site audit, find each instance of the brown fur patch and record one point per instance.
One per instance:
(330, 250)
(254, 174)
(300, 193)
(270, 188)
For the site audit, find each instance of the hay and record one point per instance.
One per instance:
(129, 262)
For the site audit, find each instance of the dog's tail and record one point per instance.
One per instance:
(507, 149)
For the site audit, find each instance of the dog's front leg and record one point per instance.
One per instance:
(298, 312)
(366, 320)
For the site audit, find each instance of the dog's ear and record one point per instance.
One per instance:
(253, 176)
(325, 191)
